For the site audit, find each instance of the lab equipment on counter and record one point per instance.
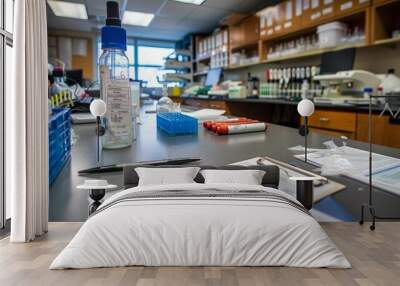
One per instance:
(213, 77)
(235, 126)
(288, 83)
(164, 104)
(136, 90)
(60, 95)
(241, 128)
(98, 108)
(59, 141)
(346, 87)
(114, 82)
(390, 83)
(305, 108)
(175, 123)
(212, 125)
(237, 91)
(253, 85)
(82, 118)
(331, 34)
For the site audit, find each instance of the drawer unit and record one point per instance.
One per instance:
(384, 132)
(343, 7)
(333, 133)
(334, 120)
(197, 102)
(217, 104)
(204, 103)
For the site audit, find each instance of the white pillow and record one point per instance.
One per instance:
(166, 176)
(247, 177)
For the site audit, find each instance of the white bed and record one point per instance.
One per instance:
(200, 231)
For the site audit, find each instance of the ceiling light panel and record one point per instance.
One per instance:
(134, 18)
(68, 9)
(195, 2)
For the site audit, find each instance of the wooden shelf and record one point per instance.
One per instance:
(245, 46)
(387, 41)
(203, 59)
(200, 73)
(300, 55)
(314, 52)
(242, 66)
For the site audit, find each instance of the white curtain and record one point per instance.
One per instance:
(27, 124)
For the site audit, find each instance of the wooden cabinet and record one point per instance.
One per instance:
(316, 11)
(244, 33)
(379, 2)
(251, 30)
(383, 131)
(343, 7)
(235, 35)
(355, 126)
(335, 123)
(385, 20)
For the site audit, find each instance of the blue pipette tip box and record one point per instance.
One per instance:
(175, 123)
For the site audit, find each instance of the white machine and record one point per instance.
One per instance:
(346, 87)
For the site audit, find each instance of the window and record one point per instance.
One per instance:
(146, 59)
(152, 56)
(151, 60)
(6, 43)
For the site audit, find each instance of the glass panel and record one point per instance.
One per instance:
(132, 72)
(150, 74)
(99, 51)
(130, 53)
(8, 90)
(152, 55)
(9, 15)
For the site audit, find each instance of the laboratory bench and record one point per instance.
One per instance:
(69, 204)
(330, 119)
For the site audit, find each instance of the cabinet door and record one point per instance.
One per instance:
(267, 20)
(289, 18)
(344, 7)
(251, 30)
(316, 11)
(383, 131)
(333, 120)
(235, 35)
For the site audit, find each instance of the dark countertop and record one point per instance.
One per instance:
(343, 107)
(69, 204)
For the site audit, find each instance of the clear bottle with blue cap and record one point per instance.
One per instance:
(114, 82)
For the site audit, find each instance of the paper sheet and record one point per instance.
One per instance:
(386, 170)
(288, 186)
(206, 114)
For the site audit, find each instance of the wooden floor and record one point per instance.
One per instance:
(375, 257)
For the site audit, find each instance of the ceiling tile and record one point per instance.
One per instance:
(147, 6)
(176, 9)
(231, 5)
(207, 14)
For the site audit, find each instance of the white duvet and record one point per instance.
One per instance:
(202, 232)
